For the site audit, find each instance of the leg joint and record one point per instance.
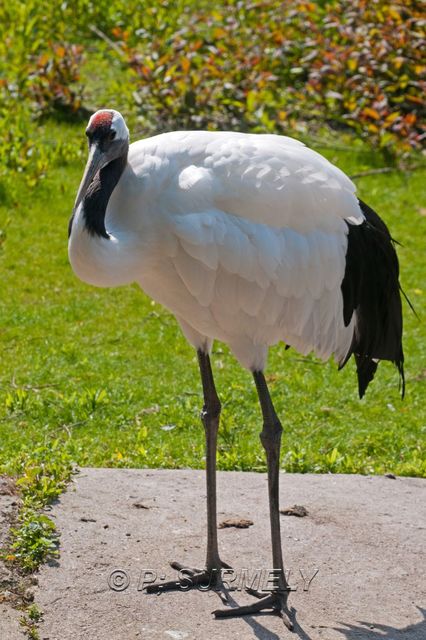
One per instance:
(271, 433)
(211, 408)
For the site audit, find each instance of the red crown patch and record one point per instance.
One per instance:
(102, 118)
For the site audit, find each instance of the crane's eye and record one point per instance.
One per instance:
(111, 135)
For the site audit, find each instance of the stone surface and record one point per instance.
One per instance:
(365, 538)
(10, 629)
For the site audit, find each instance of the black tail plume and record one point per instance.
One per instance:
(371, 290)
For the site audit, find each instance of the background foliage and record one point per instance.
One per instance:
(275, 65)
(258, 66)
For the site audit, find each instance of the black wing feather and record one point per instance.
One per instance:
(371, 290)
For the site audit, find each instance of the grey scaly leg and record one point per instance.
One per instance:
(271, 441)
(210, 416)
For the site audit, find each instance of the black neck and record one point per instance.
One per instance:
(98, 194)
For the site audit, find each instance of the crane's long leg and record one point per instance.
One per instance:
(271, 441)
(210, 416)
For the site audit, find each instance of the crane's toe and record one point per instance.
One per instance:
(189, 577)
(275, 603)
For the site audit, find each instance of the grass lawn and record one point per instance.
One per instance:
(106, 378)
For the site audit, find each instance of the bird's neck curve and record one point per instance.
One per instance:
(96, 200)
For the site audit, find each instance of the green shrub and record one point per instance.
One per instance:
(39, 75)
(272, 66)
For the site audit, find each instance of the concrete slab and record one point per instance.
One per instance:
(365, 538)
(10, 629)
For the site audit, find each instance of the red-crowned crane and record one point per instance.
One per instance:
(248, 239)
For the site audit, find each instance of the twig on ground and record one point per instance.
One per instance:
(373, 172)
(106, 39)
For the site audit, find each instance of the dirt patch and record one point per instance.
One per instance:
(9, 505)
(297, 510)
(238, 523)
(12, 585)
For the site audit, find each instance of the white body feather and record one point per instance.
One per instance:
(241, 236)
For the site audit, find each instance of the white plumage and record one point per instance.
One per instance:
(241, 236)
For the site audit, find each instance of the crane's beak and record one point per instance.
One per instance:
(95, 162)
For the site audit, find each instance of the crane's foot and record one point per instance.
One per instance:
(188, 578)
(274, 603)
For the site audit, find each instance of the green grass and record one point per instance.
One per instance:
(108, 377)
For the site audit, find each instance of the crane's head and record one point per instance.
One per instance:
(108, 138)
